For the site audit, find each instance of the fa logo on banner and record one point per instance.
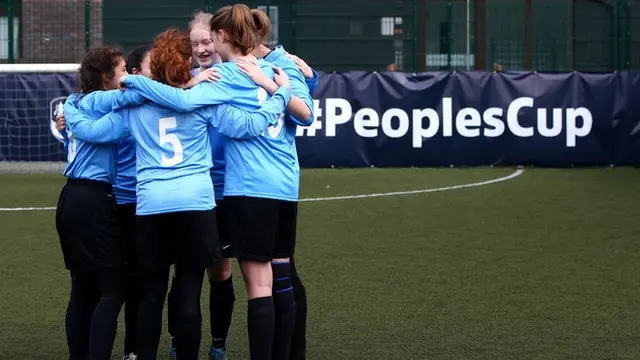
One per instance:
(56, 108)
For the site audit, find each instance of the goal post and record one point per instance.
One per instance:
(29, 96)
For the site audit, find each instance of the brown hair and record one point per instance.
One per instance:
(98, 65)
(171, 57)
(262, 24)
(135, 57)
(238, 22)
(201, 18)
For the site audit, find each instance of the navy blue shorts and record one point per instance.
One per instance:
(261, 229)
(188, 239)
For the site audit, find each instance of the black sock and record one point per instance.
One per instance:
(221, 300)
(299, 341)
(285, 311)
(260, 324)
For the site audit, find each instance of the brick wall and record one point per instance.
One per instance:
(53, 31)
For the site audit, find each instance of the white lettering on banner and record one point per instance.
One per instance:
(468, 122)
(403, 126)
(333, 117)
(366, 123)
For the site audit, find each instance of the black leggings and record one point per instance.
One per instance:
(92, 313)
(188, 332)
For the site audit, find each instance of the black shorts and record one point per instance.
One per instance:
(261, 229)
(223, 229)
(88, 226)
(188, 239)
(127, 219)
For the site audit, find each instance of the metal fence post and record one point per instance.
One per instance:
(10, 55)
(294, 28)
(414, 31)
(87, 25)
(619, 35)
(612, 40)
(627, 36)
(449, 36)
(528, 35)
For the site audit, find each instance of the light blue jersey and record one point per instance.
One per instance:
(299, 88)
(101, 103)
(124, 188)
(173, 151)
(90, 137)
(312, 83)
(265, 166)
(217, 152)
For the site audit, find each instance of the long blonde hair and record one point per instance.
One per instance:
(201, 19)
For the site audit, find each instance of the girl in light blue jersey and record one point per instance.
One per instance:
(125, 192)
(175, 197)
(100, 103)
(86, 215)
(221, 292)
(263, 217)
(303, 82)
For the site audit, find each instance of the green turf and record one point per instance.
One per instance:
(544, 266)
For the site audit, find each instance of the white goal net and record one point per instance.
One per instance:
(29, 97)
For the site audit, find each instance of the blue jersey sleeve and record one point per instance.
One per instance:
(64, 139)
(312, 83)
(203, 94)
(299, 88)
(107, 101)
(65, 142)
(241, 124)
(109, 128)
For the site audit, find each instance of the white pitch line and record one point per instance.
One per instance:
(513, 175)
(28, 209)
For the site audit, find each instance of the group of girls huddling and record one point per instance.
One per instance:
(171, 167)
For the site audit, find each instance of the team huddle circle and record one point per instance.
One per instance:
(181, 157)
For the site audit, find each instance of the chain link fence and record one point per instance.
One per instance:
(341, 35)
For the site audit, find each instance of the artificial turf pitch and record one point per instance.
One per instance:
(542, 266)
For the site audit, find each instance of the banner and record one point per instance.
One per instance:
(473, 118)
(27, 105)
(398, 119)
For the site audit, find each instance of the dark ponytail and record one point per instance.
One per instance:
(262, 24)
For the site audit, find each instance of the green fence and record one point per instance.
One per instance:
(340, 35)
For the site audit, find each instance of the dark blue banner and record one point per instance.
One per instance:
(397, 119)
(27, 103)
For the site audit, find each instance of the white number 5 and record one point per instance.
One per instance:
(273, 131)
(168, 124)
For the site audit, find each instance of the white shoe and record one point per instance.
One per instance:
(131, 356)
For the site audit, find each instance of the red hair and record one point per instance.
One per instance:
(171, 57)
